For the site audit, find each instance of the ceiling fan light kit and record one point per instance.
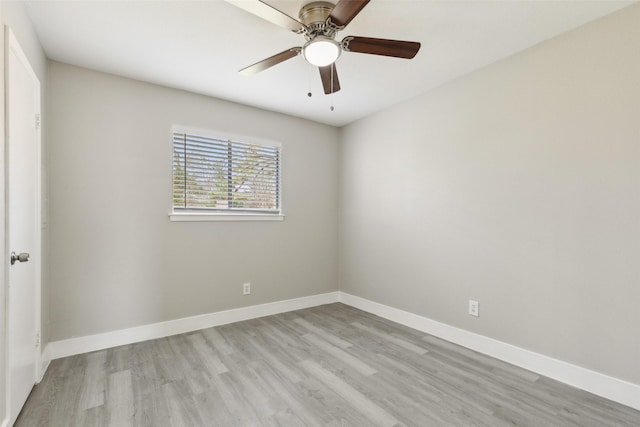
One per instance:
(319, 22)
(321, 51)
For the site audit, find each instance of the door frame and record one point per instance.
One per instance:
(11, 45)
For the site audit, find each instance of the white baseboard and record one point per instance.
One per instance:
(72, 346)
(608, 387)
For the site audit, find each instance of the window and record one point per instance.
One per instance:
(217, 175)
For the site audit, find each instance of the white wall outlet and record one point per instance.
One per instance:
(246, 288)
(474, 308)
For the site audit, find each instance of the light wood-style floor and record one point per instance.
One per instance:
(326, 366)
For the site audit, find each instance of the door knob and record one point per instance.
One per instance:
(23, 257)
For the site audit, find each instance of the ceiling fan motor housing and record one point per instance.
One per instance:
(315, 16)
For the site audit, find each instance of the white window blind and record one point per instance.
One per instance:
(219, 175)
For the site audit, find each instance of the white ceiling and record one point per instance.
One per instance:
(199, 46)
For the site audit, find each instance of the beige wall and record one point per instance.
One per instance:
(518, 186)
(118, 260)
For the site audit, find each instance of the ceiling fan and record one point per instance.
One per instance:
(319, 22)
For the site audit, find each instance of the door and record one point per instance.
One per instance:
(23, 223)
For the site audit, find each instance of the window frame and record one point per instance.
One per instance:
(199, 215)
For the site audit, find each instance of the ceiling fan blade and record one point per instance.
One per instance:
(385, 47)
(270, 62)
(269, 13)
(345, 11)
(327, 74)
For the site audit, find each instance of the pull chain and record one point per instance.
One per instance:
(332, 68)
(309, 94)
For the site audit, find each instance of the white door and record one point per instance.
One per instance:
(23, 223)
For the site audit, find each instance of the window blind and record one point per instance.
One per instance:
(222, 175)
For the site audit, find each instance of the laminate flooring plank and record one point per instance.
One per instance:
(95, 416)
(510, 387)
(478, 362)
(119, 400)
(244, 352)
(212, 409)
(93, 387)
(494, 393)
(280, 361)
(238, 407)
(322, 333)
(286, 418)
(308, 410)
(151, 409)
(255, 393)
(376, 415)
(339, 412)
(40, 402)
(438, 344)
(326, 366)
(67, 391)
(296, 348)
(342, 356)
(407, 379)
(207, 356)
(401, 399)
(450, 385)
(188, 360)
(68, 366)
(579, 405)
(391, 338)
(217, 341)
(442, 400)
(181, 405)
(409, 392)
(325, 322)
(351, 314)
(146, 378)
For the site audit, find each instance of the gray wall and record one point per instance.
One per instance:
(517, 185)
(118, 260)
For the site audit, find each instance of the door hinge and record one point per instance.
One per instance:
(38, 339)
(37, 121)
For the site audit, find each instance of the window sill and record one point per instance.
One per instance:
(199, 217)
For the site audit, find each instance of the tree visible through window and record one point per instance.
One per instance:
(222, 175)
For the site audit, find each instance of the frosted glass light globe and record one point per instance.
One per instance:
(321, 51)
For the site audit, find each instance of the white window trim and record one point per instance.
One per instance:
(186, 216)
(203, 217)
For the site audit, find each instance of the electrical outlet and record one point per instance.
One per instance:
(246, 289)
(474, 308)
